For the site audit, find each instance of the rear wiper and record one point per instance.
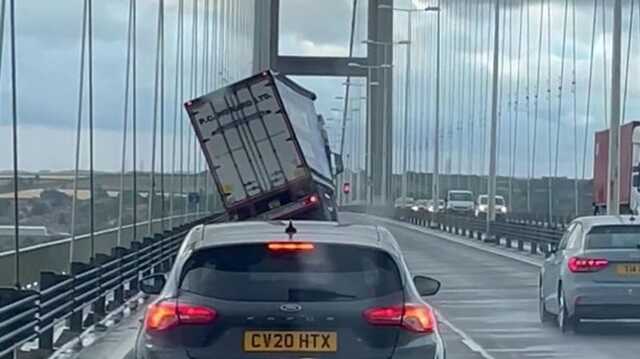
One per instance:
(300, 294)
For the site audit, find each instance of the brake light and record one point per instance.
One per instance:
(313, 199)
(585, 265)
(417, 318)
(166, 315)
(290, 246)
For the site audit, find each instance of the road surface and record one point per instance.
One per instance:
(487, 305)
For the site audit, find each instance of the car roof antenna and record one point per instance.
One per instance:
(290, 230)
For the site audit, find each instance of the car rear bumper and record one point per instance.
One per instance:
(427, 347)
(605, 301)
(460, 210)
(608, 311)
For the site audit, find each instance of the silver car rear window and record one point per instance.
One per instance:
(329, 272)
(614, 237)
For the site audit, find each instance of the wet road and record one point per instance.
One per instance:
(487, 305)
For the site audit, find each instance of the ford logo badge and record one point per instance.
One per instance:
(290, 308)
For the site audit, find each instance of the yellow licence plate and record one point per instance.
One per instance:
(628, 269)
(290, 341)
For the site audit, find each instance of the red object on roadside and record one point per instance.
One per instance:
(601, 164)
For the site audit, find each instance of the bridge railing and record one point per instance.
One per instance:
(88, 293)
(533, 236)
(54, 255)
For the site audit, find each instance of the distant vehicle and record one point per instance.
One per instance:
(243, 290)
(459, 201)
(266, 149)
(422, 204)
(482, 205)
(594, 273)
(629, 169)
(407, 202)
(432, 208)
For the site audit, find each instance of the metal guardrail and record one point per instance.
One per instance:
(26, 315)
(54, 255)
(513, 233)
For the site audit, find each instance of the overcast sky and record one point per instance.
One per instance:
(48, 54)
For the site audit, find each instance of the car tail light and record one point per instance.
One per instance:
(290, 246)
(166, 315)
(585, 265)
(313, 199)
(417, 318)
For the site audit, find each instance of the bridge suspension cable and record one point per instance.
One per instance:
(515, 102)
(626, 71)
(528, 107)
(560, 88)
(589, 87)
(125, 126)
(134, 118)
(549, 117)
(177, 113)
(157, 111)
(14, 122)
(509, 112)
(474, 64)
(92, 224)
(536, 100)
(460, 110)
(605, 81)
(575, 111)
(78, 138)
(502, 70)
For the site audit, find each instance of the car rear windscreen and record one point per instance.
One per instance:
(460, 196)
(499, 201)
(329, 272)
(614, 237)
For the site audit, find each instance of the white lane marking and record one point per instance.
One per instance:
(481, 247)
(466, 339)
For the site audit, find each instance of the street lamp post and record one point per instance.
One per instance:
(491, 217)
(385, 92)
(405, 130)
(435, 180)
(367, 146)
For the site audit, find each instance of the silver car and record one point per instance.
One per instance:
(278, 290)
(594, 273)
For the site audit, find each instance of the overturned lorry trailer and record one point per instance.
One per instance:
(264, 147)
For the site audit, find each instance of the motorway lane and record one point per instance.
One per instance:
(487, 306)
(490, 301)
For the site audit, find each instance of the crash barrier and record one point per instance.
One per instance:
(535, 237)
(98, 287)
(538, 219)
(54, 255)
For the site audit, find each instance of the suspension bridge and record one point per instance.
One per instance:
(102, 176)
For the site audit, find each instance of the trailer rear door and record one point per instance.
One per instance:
(245, 137)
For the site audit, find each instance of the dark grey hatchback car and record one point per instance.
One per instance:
(281, 290)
